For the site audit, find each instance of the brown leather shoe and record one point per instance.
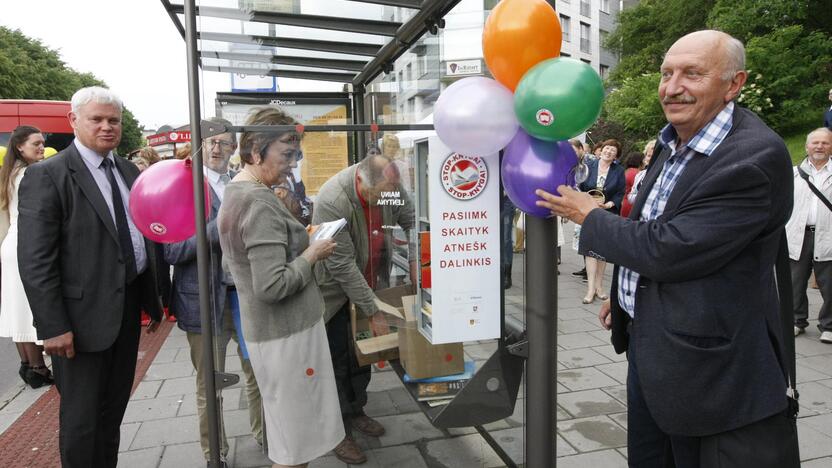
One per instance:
(368, 425)
(349, 452)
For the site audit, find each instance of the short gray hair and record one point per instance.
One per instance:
(819, 130)
(96, 94)
(734, 57)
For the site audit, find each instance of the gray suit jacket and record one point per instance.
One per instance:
(706, 327)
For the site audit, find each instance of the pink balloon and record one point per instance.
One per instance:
(162, 201)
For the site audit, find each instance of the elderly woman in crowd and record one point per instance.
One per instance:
(606, 180)
(144, 157)
(25, 148)
(270, 257)
(649, 148)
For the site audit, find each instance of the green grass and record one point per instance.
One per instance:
(797, 146)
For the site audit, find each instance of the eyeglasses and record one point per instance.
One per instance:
(223, 144)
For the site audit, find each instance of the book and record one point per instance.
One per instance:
(328, 230)
(439, 390)
(464, 375)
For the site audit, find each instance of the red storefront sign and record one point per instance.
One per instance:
(176, 136)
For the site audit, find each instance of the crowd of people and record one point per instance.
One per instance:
(75, 287)
(692, 225)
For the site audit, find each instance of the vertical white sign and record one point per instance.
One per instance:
(464, 244)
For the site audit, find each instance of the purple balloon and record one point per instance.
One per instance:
(530, 164)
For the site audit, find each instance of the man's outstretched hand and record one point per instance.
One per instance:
(571, 204)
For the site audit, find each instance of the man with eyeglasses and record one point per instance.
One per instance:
(217, 150)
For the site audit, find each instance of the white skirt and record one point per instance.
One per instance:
(15, 313)
(300, 400)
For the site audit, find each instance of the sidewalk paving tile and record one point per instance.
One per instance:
(816, 397)
(146, 389)
(169, 370)
(183, 456)
(562, 448)
(327, 462)
(807, 374)
(513, 442)
(383, 381)
(619, 392)
(128, 432)
(156, 408)
(24, 400)
(821, 363)
(616, 370)
(405, 428)
(585, 379)
(585, 357)
(178, 386)
(578, 340)
(605, 459)
(471, 448)
(808, 346)
(577, 325)
(144, 458)
(817, 463)
(401, 456)
(594, 433)
(166, 432)
(813, 443)
(7, 419)
(589, 403)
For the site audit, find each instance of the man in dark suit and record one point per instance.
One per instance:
(87, 272)
(217, 150)
(694, 298)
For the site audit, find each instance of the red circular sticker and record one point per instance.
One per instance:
(310, 372)
(463, 177)
(545, 117)
(158, 228)
(449, 357)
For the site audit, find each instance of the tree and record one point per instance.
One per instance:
(647, 30)
(30, 70)
(635, 106)
(788, 54)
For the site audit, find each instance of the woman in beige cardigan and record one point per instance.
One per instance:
(270, 257)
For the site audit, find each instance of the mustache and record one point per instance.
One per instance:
(681, 99)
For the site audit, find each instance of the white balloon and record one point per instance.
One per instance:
(475, 116)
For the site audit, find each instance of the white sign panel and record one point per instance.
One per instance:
(464, 245)
(463, 67)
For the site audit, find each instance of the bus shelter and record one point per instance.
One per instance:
(388, 60)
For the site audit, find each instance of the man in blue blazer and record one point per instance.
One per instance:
(694, 299)
(184, 302)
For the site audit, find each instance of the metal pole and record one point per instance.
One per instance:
(541, 313)
(202, 253)
(358, 118)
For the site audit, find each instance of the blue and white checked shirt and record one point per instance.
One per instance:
(703, 143)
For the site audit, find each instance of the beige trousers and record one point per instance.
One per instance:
(221, 340)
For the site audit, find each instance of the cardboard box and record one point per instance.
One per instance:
(373, 349)
(418, 356)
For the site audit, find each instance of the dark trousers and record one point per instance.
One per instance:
(801, 270)
(95, 388)
(769, 443)
(350, 378)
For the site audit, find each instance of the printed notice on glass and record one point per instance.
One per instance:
(464, 193)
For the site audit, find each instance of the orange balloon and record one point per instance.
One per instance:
(518, 35)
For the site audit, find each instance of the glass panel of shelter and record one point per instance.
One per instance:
(404, 96)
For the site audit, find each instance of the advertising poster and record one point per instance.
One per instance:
(324, 153)
(464, 245)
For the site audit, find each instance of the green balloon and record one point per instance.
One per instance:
(558, 99)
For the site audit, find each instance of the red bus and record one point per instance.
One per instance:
(49, 116)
